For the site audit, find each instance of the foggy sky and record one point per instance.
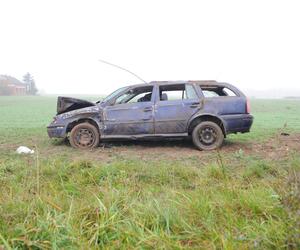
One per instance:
(252, 44)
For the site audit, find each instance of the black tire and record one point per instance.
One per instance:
(207, 135)
(84, 136)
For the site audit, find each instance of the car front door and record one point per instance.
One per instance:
(130, 114)
(174, 106)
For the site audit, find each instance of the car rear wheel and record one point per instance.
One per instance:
(207, 135)
(84, 136)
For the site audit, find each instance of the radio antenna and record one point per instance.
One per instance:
(119, 67)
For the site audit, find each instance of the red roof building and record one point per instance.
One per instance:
(11, 86)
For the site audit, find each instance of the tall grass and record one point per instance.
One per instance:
(133, 203)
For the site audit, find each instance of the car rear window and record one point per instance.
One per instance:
(216, 91)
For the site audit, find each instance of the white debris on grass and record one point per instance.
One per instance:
(24, 150)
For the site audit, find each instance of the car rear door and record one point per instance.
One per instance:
(175, 104)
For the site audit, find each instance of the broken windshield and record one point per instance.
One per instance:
(114, 94)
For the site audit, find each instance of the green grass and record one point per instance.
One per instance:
(271, 116)
(61, 198)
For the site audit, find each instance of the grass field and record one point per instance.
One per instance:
(149, 195)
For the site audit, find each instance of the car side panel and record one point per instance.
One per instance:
(237, 123)
(230, 110)
(169, 117)
(58, 128)
(224, 105)
(172, 116)
(129, 119)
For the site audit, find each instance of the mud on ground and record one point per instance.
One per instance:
(275, 148)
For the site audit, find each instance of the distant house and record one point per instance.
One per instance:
(12, 86)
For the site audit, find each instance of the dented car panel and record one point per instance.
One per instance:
(173, 116)
(67, 104)
(237, 123)
(129, 119)
(138, 112)
(59, 126)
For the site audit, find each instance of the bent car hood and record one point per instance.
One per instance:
(66, 104)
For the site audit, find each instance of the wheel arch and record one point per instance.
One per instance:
(206, 117)
(73, 123)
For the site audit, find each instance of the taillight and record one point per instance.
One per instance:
(248, 106)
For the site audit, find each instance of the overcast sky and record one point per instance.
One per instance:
(252, 44)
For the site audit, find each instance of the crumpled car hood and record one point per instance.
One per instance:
(67, 104)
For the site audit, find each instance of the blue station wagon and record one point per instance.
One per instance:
(206, 111)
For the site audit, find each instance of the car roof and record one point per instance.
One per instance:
(183, 82)
(200, 82)
(203, 83)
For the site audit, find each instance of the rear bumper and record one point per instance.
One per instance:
(237, 123)
(56, 131)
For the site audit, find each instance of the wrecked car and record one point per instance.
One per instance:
(206, 111)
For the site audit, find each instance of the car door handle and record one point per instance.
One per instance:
(194, 104)
(147, 109)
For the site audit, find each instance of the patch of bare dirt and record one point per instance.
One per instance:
(277, 147)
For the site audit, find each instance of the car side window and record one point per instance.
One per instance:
(217, 91)
(209, 93)
(228, 92)
(177, 92)
(190, 92)
(171, 92)
(139, 94)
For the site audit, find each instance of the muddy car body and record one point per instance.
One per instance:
(207, 111)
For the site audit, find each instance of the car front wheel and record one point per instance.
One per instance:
(207, 135)
(84, 136)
